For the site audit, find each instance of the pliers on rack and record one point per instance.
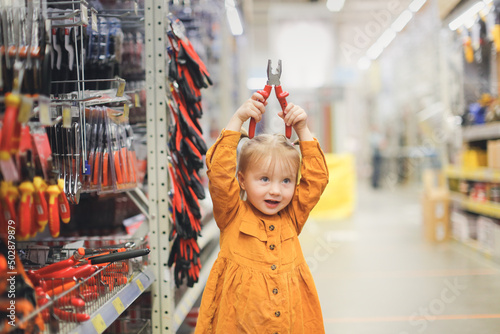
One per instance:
(273, 79)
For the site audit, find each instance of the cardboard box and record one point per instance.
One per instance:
(436, 206)
(436, 214)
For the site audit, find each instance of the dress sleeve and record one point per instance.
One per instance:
(314, 178)
(221, 171)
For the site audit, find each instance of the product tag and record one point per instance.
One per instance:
(25, 109)
(44, 113)
(66, 115)
(139, 284)
(121, 87)
(99, 324)
(137, 100)
(85, 14)
(118, 304)
(94, 22)
(126, 110)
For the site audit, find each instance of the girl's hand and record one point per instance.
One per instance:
(297, 118)
(254, 108)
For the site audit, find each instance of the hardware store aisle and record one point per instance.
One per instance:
(376, 274)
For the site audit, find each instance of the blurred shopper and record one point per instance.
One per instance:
(376, 144)
(261, 282)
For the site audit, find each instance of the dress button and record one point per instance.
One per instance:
(275, 291)
(271, 228)
(271, 247)
(277, 313)
(273, 267)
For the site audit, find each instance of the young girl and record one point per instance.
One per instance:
(260, 282)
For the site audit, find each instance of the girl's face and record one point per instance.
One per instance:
(268, 189)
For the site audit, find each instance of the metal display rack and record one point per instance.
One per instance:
(167, 317)
(156, 277)
(109, 312)
(158, 183)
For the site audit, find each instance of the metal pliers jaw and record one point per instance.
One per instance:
(273, 79)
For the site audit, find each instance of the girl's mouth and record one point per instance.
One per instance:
(271, 204)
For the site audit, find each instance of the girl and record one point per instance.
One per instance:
(260, 282)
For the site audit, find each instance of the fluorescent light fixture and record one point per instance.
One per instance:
(374, 51)
(335, 5)
(416, 5)
(402, 20)
(469, 13)
(233, 17)
(387, 37)
(364, 63)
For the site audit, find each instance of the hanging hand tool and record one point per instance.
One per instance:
(40, 202)
(78, 184)
(132, 158)
(64, 210)
(273, 79)
(25, 209)
(53, 203)
(9, 195)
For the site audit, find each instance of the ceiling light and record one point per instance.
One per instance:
(416, 5)
(374, 51)
(364, 63)
(402, 20)
(386, 38)
(335, 5)
(470, 13)
(233, 18)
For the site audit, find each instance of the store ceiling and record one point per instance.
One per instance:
(356, 16)
(354, 11)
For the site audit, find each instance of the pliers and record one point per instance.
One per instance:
(273, 79)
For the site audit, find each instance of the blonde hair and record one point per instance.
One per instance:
(266, 150)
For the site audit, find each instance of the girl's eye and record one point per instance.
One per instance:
(264, 178)
(286, 181)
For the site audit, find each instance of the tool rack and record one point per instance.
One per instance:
(117, 285)
(153, 275)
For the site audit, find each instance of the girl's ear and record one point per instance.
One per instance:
(241, 180)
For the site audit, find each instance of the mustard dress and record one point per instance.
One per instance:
(260, 282)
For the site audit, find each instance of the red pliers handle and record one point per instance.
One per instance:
(273, 79)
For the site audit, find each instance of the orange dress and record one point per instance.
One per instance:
(260, 282)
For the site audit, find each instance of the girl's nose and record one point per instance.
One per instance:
(275, 189)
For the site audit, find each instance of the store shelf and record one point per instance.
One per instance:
(479, 174)
(109, 312)
(481, 132)
(490, 209)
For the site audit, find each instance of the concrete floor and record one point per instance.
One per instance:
(376, 274)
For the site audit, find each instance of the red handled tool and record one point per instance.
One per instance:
(273, 79)
(41, 210)
(64, 210)
(73, 260)
(10, 125)
(25, 209)
(53, 209)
